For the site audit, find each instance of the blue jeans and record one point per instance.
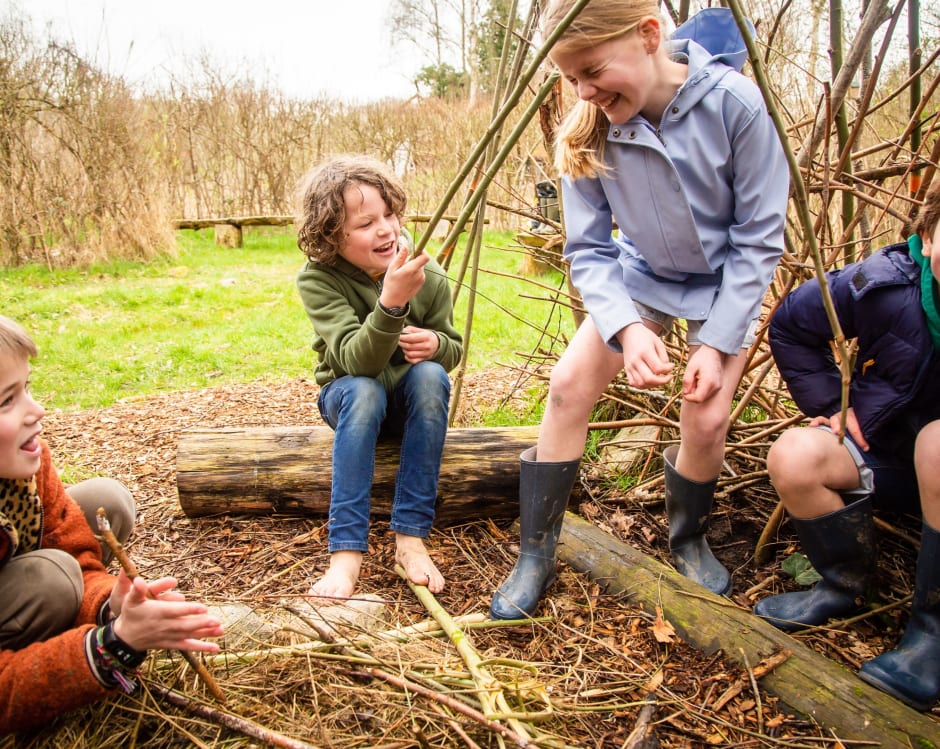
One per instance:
(359, 412)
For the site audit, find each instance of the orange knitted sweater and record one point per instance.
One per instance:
(47, 678)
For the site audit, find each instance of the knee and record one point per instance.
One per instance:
(60, 575)
(792, 459)
(49, 596)
(427, 390)
(566, 387)
(927, 457)
(364, 401)
(111, 496)
(703, 425)
(429, 377)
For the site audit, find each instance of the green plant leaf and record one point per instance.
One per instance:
(800, 569)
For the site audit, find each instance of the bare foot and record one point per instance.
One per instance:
(340, 579)
(411, 554)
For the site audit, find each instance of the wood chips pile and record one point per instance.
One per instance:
(597, 661)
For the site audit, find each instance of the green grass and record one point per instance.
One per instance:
(213, 316)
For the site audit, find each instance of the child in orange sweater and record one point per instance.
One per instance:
(70, 632)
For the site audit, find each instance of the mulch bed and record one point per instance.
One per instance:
(596, 658)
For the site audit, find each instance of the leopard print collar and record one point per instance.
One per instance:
(20, 514)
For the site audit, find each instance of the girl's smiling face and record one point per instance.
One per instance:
(20, 420)
(616, 76)
(371, 230)
(625, 76)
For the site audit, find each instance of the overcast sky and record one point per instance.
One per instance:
(337, 48)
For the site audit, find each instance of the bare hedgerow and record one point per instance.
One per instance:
(76, 175)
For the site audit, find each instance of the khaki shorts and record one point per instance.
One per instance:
(866, 478)
(694, 326)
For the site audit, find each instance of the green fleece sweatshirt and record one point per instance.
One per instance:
(353, 336)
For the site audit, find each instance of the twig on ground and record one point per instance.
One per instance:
(234, 722)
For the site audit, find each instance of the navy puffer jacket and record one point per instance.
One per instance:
(895, 381)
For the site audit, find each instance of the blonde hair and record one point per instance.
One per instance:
(579, 143)
(15, 341)
(323, 203)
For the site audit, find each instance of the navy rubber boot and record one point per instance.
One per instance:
(911, 672)
(688, 507)
(544, 489)
(841, 546)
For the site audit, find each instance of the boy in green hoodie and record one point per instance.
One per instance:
(384, 334)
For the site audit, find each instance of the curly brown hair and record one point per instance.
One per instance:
(323, 205)
(929, 213)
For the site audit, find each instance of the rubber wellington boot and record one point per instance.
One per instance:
(841, 546)
(912, 671)
(543, 496)
(688, 507)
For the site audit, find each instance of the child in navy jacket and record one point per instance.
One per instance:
(889, 451)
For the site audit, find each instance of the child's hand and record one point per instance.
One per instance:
(702, 378)
(403, 278)
(834, 422)
(645, 359)
(418, 344)
(165, 620)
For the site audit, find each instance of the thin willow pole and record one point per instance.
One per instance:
(799, 193)
(474, 245)
(876, 13)
(798, 190)
(868, 92)
(914, 50)
(841, 118)
(475, 240)
(495, 126)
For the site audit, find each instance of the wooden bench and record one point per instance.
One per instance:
(228, 230)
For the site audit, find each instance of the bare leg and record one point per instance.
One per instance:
(340, 579)
(577, 380)
(926, 460)
(704, 426)
(412, 555)
(809, 469)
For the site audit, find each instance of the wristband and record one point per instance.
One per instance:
(109, 670)
(120, 650)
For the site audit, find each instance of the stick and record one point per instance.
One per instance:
(489, 688)
(234, 722)
(761, 550)
(117, 548)
(457, 705)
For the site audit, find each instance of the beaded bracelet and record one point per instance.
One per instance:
(112, 665)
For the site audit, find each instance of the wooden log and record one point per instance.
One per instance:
(807, 682)
(263, 470)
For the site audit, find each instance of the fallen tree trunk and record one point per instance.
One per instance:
(288, 470)
(807, 682)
